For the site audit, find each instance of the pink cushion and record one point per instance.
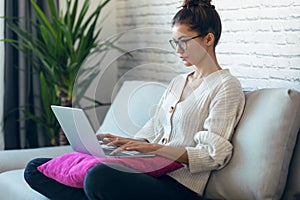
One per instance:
(70, 169)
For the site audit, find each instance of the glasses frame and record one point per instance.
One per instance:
(174, 44)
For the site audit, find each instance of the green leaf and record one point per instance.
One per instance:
(45, 94)
(52, 8)
(79, 24)
(46, 37)
(72, 16)
(42, 17)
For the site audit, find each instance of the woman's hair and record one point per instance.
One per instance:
(201, 17)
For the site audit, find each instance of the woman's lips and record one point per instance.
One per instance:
(183, 58)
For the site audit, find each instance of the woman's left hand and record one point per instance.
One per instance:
(173, 153)
(139, 146)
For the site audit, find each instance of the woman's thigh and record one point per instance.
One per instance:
(115, 182)
(47, 186)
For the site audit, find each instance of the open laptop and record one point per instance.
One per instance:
(81, 135)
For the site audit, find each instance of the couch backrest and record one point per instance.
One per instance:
(132, 107)
(263, 147)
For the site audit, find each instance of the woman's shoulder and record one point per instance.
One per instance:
(225, 78)
(229, 78)
(223, 81)
(227, 86)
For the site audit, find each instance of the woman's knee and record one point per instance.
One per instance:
(93, 181)
(100, 180)
(31, 172)
(105, 173)
(98, 177)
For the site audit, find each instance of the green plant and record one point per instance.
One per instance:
(62, 44)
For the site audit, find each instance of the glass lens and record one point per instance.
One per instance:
(173, 44)
(182, 44)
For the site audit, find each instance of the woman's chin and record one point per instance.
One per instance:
(187, 64)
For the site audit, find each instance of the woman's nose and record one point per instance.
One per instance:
(179, 49)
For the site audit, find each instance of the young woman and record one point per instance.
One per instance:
(193, 124)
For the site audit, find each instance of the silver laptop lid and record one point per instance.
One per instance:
(78, 130)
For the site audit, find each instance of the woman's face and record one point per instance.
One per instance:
(195, 50)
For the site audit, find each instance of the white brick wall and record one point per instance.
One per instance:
(147, 28)
(260, 42)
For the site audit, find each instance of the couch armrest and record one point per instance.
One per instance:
(17, 159)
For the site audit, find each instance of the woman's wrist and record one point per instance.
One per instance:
(141, 140)
(173, 153)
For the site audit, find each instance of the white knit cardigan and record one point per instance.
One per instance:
(203, 124)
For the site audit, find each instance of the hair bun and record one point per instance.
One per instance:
(194, 3)
(206, 1)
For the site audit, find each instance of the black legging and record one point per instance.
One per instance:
(109, 182)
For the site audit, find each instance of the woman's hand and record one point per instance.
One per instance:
(112, 140)
(173, 153)
(140, 146)
(143, 146)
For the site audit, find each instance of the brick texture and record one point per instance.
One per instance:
(259, 43)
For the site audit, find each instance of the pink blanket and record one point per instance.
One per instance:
(70, 169)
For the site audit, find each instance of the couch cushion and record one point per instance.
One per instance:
(132, 107)
(293, 183)
(14, 187)
(17, 159)
(263, 146)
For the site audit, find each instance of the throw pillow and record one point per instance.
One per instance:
(70, 169)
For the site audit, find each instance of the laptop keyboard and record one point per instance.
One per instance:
(108, 149)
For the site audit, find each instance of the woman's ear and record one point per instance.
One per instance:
(210, 39)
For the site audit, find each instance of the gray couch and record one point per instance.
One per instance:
(265, 162)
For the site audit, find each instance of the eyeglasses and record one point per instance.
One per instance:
(181, 43)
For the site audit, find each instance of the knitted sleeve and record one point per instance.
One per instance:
(147, 132)
(213, 149)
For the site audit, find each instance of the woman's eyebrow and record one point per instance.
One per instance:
(183, 36)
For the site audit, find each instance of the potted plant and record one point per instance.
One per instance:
(63, 43)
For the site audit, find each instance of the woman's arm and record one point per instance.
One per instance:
(172, 153)
(213, 148)
(111, 139)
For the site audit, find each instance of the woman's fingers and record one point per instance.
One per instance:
(118, 141)
(108, 138)
(112, 140)
(123, 148)
(117, 150)
(101, 136)
(142, 147)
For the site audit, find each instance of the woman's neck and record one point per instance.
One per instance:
(206, 67)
